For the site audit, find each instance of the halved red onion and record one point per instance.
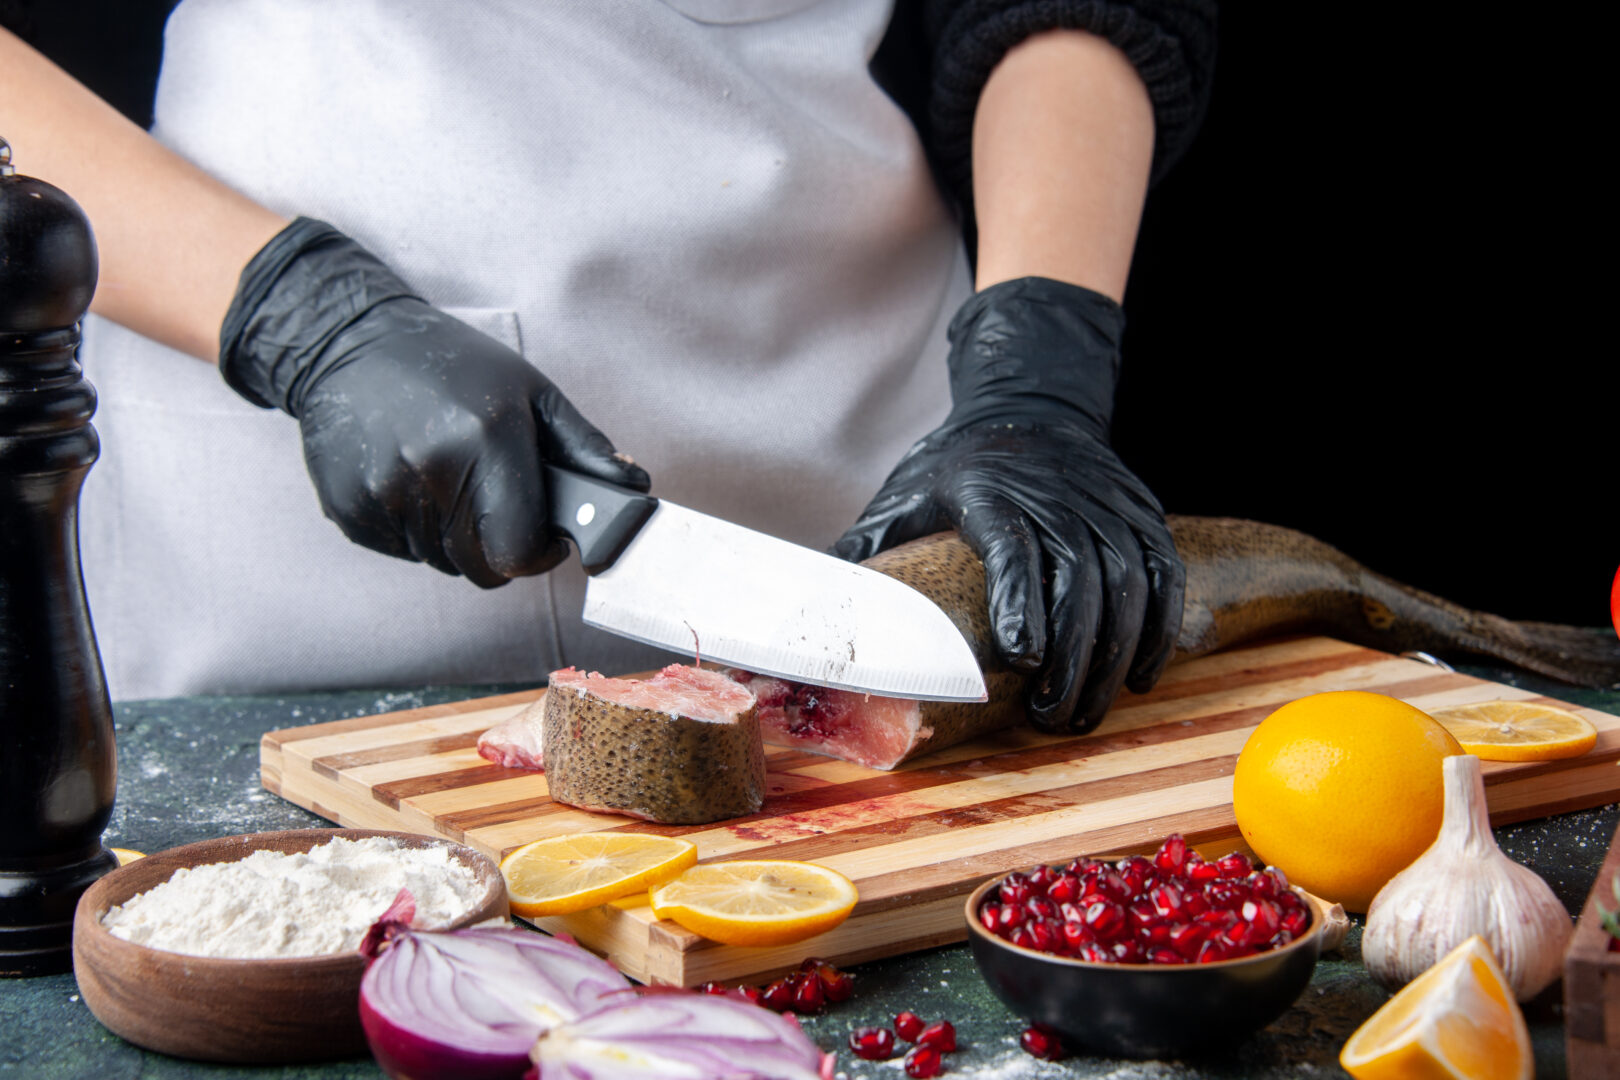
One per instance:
(469, 1004)
(684, 1036)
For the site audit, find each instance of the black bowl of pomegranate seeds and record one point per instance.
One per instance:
(1162, 955)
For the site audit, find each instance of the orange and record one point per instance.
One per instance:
(756, 902)
(1341, 791)
(564, 874)
(1456, 1021)
(1517, 730)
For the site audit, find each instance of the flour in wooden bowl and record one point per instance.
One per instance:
(314, 903)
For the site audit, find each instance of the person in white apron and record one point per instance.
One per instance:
(463, 229)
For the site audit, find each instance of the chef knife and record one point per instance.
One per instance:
(672, 577)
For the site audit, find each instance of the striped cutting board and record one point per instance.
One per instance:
(916, 840)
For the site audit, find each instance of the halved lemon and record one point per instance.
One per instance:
(757, 901)
(563, 874)
(1457, 1020)
(1517, 730)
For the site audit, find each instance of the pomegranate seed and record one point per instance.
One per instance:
(811, 963)
(908, 1025)
(1186, 938)
(1083, 865)
(1065, 889)
(1044, 935)
(1193, 902)
(1280, 877)
(1235, 865)
(1112, 884)
(713, 988)
(1211, 951)
(1263, 885)
(1014, 889)
(1142, 915)
(1227, 894)
(1165, 955)
(1204, 872)
(1040, 907)
(836, 985)
(1216, 918)
(1294, 922)
(941, 1035)
(778, 995)
(1289, 899)
(1234, 937)
(751, 994)
(1022, 937)
(987, 915)
(1105, 918)
(1166, 901)
(1283, 938)
(923, 1061)
(1076, 934)
(807, 996)
(1137, 872)
(872, 1043)
(1264, 921)
(1073, 913)
(1041, 878)
(1010, 916)
(1094, 952)
(1172, 855)
(1127, 952)
(1157, 934)
(1039, 1042)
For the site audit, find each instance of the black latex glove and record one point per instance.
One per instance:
(1084, 581)
(423, 436)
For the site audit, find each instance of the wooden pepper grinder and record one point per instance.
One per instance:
(57, 764)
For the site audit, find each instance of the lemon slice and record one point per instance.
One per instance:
(563, 874)
(756, 902)
(1517, 730)
(1458, 1019)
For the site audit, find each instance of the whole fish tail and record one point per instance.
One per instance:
(1248, 580)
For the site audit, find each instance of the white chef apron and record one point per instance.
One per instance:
(701, 218)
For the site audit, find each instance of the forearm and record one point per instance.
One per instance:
(172, 240)
(1062, 147)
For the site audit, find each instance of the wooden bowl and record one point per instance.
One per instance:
(1147, 1010)
(261, 1011)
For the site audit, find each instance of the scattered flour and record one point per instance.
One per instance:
(314, 903)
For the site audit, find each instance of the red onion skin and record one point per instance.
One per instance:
(463, 1004)
(404, 1055)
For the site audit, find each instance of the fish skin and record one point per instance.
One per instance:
(1246, 580)
(607, 757)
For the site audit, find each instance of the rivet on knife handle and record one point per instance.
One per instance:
(600, 518)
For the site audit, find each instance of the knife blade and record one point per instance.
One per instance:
(660, 573)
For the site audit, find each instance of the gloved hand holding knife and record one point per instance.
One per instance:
(425, 438)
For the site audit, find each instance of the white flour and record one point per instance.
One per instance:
(306, 904)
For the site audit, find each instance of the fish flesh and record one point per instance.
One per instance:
(1246, 580)
(682, 748)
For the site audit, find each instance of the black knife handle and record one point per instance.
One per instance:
(600, 518)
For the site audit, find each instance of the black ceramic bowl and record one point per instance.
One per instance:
(1146, 1010)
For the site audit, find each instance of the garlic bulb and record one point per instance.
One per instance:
(1464, 885)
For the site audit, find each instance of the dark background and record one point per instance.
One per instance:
(1357, 307)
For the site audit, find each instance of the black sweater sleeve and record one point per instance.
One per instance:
(938, 54)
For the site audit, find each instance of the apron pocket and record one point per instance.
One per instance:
(731, 12)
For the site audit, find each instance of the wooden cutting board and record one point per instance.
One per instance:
(918, 839)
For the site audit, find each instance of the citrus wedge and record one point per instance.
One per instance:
(1457, 1020)
(1517, 730)
(756, 902)
(563, 874)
